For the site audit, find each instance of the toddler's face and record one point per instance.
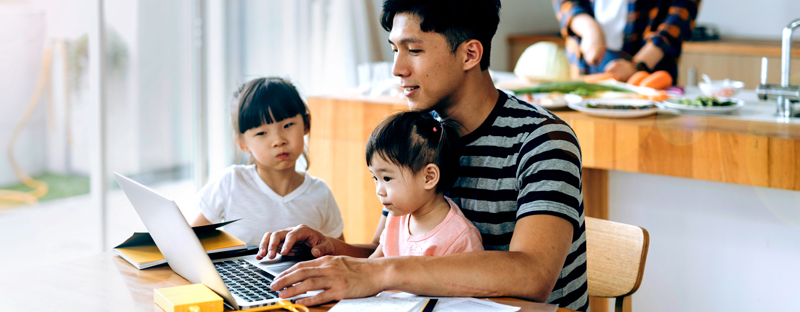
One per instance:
(277, 145)
(399, 190)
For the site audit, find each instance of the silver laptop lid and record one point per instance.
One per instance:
(174, 237)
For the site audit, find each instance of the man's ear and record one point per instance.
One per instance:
(432, 173)
(473, 52)
(241, 145)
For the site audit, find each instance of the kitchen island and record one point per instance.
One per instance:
(747, 147)
(718, 194)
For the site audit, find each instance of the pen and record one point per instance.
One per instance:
(429, 307)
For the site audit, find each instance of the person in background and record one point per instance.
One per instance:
(621, 37)
(413, 159)
(519, 179)
(270, 121)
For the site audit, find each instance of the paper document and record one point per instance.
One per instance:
(383, 304)
(468, 304)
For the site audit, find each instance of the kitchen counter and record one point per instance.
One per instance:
(748, 147)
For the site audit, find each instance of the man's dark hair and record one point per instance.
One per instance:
(415, 139)
(456, 20)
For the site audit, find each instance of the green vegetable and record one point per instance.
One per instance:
(569, 87)
(583, 92)
(706, 101)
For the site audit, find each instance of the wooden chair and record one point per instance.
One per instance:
(615, 257)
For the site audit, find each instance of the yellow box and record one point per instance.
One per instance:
(188, 298)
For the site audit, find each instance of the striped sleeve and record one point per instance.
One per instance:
(549, 173)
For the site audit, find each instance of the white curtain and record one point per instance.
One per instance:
(318, 44)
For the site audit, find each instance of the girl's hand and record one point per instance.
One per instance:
(621, 69)
(284, 241)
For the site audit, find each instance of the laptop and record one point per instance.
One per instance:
(243, 282)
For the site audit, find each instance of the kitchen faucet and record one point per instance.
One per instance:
(785, 92)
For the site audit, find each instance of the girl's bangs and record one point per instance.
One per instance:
(268, 103)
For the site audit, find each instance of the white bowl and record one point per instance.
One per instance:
(721, 88)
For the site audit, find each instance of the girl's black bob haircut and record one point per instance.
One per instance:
(415, 139)
(267, 100)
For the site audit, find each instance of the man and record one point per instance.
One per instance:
(519, 181)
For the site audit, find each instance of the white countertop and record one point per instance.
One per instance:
(754, 109)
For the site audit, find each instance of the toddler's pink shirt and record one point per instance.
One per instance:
(455, 234)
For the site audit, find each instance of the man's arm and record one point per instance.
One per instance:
(530, 269)
(574, 18)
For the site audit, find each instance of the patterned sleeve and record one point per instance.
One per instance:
(676, 28)
(549, 174)
(568, 9)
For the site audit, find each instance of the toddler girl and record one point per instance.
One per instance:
(270, 120)
(413, 158)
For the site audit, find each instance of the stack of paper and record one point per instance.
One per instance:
(383, 304)
(141, 251)
(466, 304)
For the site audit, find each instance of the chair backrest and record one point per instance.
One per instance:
(615, 258)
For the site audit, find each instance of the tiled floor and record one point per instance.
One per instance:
(68, 229)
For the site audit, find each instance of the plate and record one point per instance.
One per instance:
(549, 100)
(705, 109)
(580, 104)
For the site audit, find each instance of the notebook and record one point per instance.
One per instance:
(141, 251)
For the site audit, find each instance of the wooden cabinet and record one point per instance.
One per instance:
(735, 59)
(339, 132)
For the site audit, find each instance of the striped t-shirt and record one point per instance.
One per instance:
(524, 161)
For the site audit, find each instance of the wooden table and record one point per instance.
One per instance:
(105, 282)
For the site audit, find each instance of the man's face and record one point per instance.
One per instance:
(429, 72)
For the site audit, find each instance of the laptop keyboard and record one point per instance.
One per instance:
(246, 280)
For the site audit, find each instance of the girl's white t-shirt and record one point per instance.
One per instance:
(241, 194)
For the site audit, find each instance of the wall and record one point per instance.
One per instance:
(745, 18)
(713, 246)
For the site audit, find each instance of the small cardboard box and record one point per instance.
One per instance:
(188, 298)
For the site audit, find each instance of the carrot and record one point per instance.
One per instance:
(637, 77)
(658, 80)
(658, 97)
(595, 78)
